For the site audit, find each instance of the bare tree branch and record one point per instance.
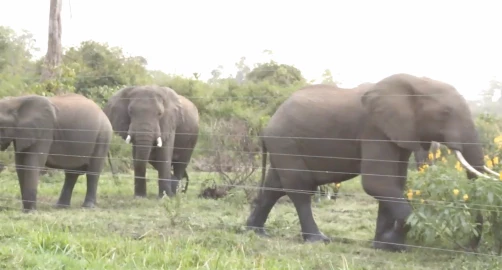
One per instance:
(54, 55)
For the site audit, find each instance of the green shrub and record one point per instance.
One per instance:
(445, 201)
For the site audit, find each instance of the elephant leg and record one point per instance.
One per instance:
(179, 171)
(264, 202)
(385, 222)
(165, 179)
(94, 169)
(27, 169)
(384, 178)
(303, 205)
(67, 190)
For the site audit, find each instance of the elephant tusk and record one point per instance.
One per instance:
(468, 166)
(159, 142)
(128, 139)
(491, 171)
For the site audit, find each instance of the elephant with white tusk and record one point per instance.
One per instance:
(324, 134)
(163, 128)
(53, 133)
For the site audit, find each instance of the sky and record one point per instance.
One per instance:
(458, 42)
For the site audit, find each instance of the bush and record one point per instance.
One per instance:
(445, 202)
(233, 154)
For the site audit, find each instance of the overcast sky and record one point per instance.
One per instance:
(360, 41)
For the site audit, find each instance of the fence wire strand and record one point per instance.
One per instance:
(340, 193)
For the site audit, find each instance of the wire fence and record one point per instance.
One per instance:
(356, 161)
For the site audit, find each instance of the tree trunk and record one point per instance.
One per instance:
(54, 55)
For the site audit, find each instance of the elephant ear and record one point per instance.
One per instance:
(116, 111)
(391, 107)
(36, 119)
(173, 113)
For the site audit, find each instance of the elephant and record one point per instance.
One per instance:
(68, 132)
(422, 156)
(163, 128)
(325, 134)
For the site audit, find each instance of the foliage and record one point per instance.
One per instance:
(445, 202)
(276, 73)
(240, 105)
(234, 155)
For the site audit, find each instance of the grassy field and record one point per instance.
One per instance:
(195, 233)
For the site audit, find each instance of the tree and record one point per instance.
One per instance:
(327, 77)
(242, 70)
(216, 74)
(101, 65)
(17, 70)
(278, 74)
(491, 99)
(53, 58)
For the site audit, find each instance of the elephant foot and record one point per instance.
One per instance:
(390, 241)
(167, 194)
(260, 231)
(88, 205)
(316, 237)
(29, 210)
(59, 205)
(139, 196)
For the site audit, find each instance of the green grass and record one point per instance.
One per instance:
(127, 233)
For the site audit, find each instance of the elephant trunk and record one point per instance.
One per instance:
(142, 134)
(471, 157)
(143, 147)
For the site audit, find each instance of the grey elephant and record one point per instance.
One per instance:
(67, 132)
(323, 134)
(163, 128)
(422, 156)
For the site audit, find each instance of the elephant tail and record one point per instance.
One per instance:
(263, 163)
(188, 180)
(111, 166)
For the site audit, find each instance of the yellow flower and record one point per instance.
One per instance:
(448, 151)
(489, 164)
(431, 156)
(338, 185)
(458, 166)
(423, 168)
(417, 192)
(498, 139)
(500, 176)
(438, 153)
(410, 195)
(495, 160)
(422, 200)
(466, 197)
(443, 160)
(455, 192)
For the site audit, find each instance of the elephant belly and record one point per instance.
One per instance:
(66, 160)
(331, 161)
(70, 154)
(330, 170)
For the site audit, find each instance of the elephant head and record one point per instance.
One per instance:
(413, 112)
(26, 120)
(146, 116)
